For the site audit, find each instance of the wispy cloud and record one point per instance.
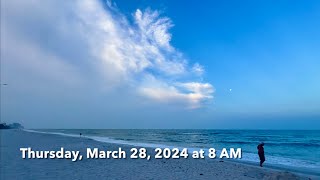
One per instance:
(140, 52)
(133, 51)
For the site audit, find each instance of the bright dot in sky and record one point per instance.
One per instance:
(230, 90)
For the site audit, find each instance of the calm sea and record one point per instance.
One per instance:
(298, 150)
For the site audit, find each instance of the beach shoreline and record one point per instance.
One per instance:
(14, 167)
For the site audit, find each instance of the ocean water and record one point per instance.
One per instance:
(290, 149)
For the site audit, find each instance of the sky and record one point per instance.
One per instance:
(151, 64)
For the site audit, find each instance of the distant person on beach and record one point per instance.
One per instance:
(80, 134)
(261, 153)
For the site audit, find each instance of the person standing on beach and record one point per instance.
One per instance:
(261, 153)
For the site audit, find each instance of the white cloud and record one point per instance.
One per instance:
(141, 53)
(22, 54)
(192, 94)
(154, 28)
(134, 51)
(33, 59)
(197, 69)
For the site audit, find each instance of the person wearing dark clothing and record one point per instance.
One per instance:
(261, 153)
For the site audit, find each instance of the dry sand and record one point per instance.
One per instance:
(12, 166)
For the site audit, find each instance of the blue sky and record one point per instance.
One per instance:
(151, 64)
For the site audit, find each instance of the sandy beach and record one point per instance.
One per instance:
(12, 166)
